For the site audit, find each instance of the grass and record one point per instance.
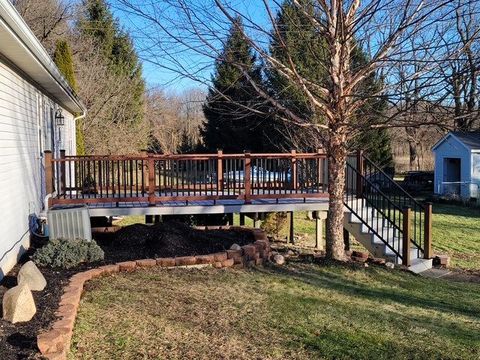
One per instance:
(456, 231)
(301, 311)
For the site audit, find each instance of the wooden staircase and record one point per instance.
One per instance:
(384, 218)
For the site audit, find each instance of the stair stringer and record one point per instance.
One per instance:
(366, 239)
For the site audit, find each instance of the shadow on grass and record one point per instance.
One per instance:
(456, 210)
(408, 289)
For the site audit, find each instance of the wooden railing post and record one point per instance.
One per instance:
(293, 180)
(151, 179)
(247, 177)
(407, 233)
(219, 171)
(48, 172)
(63, 183)
(144, 171)
(427, 250)
(360, 173)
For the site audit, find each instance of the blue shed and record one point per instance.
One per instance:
(457, 165)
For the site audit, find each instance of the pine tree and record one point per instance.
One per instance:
(375, 142)
(64, 61)
(230, 124)
(306, 49)
(117, 46)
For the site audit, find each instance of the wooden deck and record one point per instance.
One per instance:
(153, 184)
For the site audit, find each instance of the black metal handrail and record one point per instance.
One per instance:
(373, 188)
(362, 208)
(383, 186)
(369, 163)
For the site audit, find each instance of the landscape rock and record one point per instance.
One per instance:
(235, 247)
(279, 259)
(390, 265)
(441, 260)
(31, 275)
(18, 304)
(360, 254)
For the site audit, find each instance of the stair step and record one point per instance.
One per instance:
(419, 265)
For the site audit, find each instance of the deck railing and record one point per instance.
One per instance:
(155, 178)
(151, 178)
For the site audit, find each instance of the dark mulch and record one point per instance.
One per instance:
(18, 341)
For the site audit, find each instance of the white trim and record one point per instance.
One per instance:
(442, 140)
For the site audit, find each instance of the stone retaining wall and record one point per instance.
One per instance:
(55, 343)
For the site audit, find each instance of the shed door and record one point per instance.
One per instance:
(452, 175)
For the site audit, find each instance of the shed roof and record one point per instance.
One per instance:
(470, 140)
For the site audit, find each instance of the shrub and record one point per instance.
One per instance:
(274, 223)
(65, 254)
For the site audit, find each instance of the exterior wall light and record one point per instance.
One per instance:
(59, 118)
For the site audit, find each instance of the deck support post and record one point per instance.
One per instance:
(242, 219)
(230, 219)
(427, 246)
(346, 239)
(256, 220)
(360, 173)
(291, 238)
(320, 217)
(407, 229)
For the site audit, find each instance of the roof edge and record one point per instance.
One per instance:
(439, 142)
(24, 34)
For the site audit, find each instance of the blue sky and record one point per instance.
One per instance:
(158, 76)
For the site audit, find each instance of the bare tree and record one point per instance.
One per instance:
(461, 73)
(109, 127)
(172, 117)
(48, 19)
(184, 36)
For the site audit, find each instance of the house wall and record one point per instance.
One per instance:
(452, 148)
(25, 131)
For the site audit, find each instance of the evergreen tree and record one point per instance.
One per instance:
(230, 124)
(64, 61)
(375, 142)
(306, 49)
(99, 24)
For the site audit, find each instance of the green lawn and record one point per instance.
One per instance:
(301, 311)
(456, 231)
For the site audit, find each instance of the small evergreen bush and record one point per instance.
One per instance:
(274, 223)
(65, 254)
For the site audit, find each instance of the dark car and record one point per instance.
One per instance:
(418, 181)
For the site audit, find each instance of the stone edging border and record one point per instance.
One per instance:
(54, 344)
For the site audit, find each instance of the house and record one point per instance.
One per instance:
(34, 102)
(457, 164)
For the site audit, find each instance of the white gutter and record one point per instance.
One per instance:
(29, 51)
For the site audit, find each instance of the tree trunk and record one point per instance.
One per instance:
(412, 146)
(337, 160)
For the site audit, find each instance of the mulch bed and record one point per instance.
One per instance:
(169, 239)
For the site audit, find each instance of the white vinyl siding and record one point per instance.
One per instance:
(23, 127)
